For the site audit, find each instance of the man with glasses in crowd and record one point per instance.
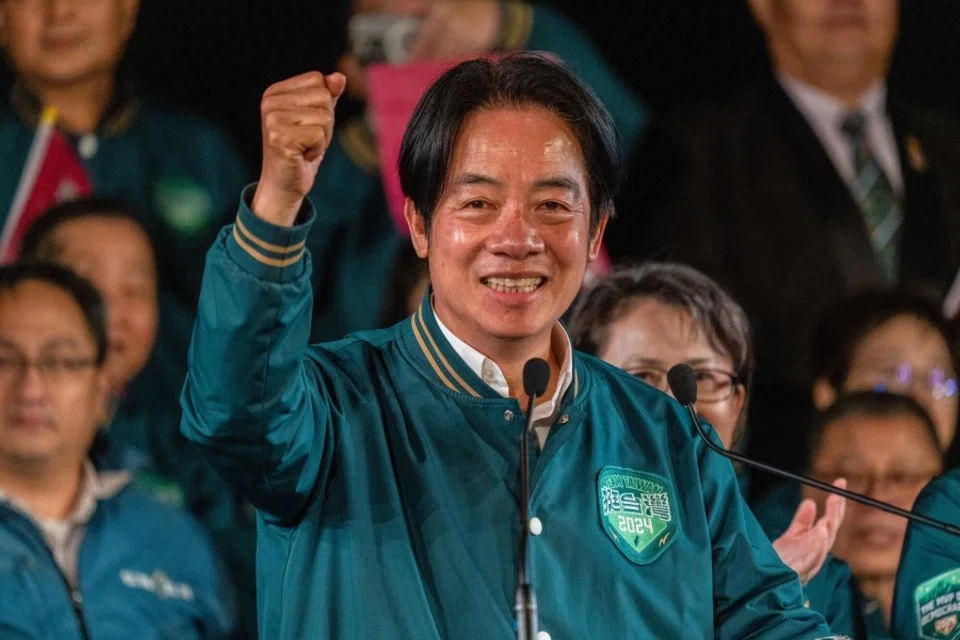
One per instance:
(82, 554)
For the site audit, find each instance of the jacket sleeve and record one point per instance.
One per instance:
(755, 595)
(926, 602)
(251, 398)
(540, 28)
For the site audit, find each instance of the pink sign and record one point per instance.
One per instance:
(393, 95)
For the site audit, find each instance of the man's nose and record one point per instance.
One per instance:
(515, 234)
(30, 383)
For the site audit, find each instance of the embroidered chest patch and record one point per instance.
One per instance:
(938, 607)
(638, 511)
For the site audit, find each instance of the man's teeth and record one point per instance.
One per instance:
(513, 285)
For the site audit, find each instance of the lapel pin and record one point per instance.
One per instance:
(915, 155)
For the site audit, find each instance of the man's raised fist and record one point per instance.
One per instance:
(296, 117)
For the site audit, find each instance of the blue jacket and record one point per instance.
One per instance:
(385, 472)
(145, 571)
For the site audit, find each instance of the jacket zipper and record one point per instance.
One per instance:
(76, 598)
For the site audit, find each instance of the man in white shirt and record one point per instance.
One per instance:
(809, 185)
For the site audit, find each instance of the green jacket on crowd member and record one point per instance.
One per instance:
(774, 511)
(354, 240)
(144, 438)
(926, 604)
(831, 592)
(180, 172)
(385, 474)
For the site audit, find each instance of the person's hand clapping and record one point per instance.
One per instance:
(804, 545)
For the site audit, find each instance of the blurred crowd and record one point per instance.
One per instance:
(798, 246)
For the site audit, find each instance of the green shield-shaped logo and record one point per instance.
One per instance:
(638, 511)
(938, 607)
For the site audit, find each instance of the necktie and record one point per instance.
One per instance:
(879, 203)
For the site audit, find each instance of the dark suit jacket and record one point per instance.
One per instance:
(746, 192)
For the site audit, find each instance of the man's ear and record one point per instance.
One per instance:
(596, 240)
(824, 394)
(418, 228)
(129, 10)
(761, 11)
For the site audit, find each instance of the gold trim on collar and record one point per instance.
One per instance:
(29, 109)
(443, 360)
(423, 347)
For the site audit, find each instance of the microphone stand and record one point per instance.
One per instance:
(823, 486)
(525, 602)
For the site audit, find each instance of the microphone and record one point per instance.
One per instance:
(536, 377)
(683, 384)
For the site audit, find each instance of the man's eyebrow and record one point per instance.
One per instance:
(469, 179)
(558, 182)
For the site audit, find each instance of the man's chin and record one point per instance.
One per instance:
(28, 457)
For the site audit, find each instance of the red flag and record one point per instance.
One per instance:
(53, 173)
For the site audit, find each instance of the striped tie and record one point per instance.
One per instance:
(879, 203)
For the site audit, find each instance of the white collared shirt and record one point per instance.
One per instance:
(63, 537)
(825, 115)
(488, 371)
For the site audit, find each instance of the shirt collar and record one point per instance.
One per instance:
(817, 104)
(119, 115)
(95, 486)
(488, 370)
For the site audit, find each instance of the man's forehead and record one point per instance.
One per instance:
(38, 310)
(498, 146)
(42, 340)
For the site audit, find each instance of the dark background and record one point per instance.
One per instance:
(217, 56)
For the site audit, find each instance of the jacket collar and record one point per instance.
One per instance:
(438, 360)
(119, 115)
(96, 486)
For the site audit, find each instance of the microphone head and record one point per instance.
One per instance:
(536, 377)
(683, 384)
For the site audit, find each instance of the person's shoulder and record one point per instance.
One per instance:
(153, 524)
(178, 126)
(163, 114)
(928, 118)
(355, 351)
(941, 496)
(627, 394)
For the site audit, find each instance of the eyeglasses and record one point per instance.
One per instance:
(713, 385)
(904, 484)
(50, 368)
(902, 377)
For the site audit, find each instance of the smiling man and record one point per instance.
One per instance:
(385, 466)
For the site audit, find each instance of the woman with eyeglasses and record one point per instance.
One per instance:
(889, 341)
(647, 319)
